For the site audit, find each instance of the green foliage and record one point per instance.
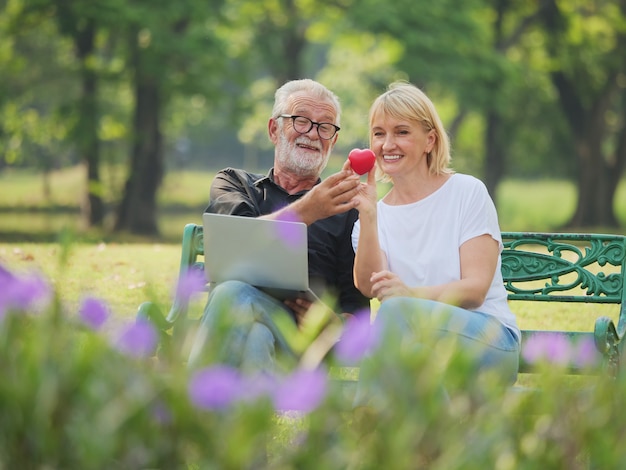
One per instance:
(73, 398)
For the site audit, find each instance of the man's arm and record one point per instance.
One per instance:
(232, 193)
(334, 195)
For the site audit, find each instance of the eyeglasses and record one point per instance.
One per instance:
(302, 125)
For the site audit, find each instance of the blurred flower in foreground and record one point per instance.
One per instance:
(359, 337)
(257, 386)
(93, 313)
(139, 339)
(586, 354)
(301, 391)
(557, 349)
(190, 282)
(289, 233)
(161, 413)
(215, 388)
(27, 293)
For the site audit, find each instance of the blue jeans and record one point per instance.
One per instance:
(411, 324)
(238, 328)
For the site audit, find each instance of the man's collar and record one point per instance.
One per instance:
(270, 177)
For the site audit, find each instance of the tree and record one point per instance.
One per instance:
(79, 22)
(167, 41)
(83, 33)
(585, 41)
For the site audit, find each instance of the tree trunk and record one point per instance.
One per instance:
(494, 153)
(137, 212)
(598, 173)
(594, 207)
(87, 127)
(586, 110)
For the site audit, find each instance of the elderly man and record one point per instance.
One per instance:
(238, 326)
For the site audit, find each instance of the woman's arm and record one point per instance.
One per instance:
(479, 259)
(369, 258)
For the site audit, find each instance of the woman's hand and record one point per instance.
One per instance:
(367, 196)
(386, 284)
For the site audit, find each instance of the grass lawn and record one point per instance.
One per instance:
(124, 275)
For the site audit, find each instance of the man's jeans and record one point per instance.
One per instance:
(238, 328)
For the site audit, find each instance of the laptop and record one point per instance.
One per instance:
(271, 255)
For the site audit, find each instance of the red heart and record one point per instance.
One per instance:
(361, 161)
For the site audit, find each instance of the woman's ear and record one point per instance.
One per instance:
(431, 140)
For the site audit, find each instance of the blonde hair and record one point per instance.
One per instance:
(405, 101)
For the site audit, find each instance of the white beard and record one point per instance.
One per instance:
(298, 160)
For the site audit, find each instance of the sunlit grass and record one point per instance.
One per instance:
(186, 188)
(540, 206)
(122, 275)
(26, 188)
(544, 205)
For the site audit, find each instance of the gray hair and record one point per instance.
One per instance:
(311, 87)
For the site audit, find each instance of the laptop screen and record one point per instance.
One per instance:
(260, 252)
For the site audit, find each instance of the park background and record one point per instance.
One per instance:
(115, 115)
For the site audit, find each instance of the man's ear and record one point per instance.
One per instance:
(273, 130)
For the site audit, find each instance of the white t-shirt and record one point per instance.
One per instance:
(422, 240)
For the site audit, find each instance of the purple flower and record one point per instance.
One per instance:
(289, 233)
(138, 339)
(215, 388)
(302, 391)
(26, 293)
(190, 282)
(5, 276)
(549, 347)
(359, 337)
(585, 354)
(257, 386)
(93, 313)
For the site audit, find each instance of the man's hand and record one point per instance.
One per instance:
(334, 195)
(300, 307)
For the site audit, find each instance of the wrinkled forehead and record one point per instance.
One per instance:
(303, 103)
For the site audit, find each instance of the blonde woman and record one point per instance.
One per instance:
(429, 250)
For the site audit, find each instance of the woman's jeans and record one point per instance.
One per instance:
(412, 324)
(239, 328)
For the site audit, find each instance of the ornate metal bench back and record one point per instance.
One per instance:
(564, 267)
(589, 268)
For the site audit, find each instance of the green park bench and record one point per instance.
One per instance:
(587, 269)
